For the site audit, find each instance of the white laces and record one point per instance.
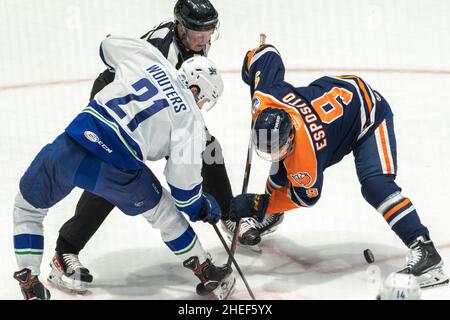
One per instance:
(414, 256)
(230, 225)
(246, 225)
(72, 261)
(251, 223)
(268, 220)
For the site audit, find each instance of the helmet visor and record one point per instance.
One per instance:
(268, 145)
(202, 36)
(276, 155)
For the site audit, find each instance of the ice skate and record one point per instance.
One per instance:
(251, 231)
(32, 288)
(69, 274)
(425, 263)
(228, 226)
(214, 281)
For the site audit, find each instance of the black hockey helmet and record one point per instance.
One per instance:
(273, 134)
(198, 15)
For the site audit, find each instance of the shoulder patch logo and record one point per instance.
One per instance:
(302, 178)
(256, 103)
(91, 136)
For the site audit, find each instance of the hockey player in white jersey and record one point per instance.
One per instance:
(150, 111)
(191, 31)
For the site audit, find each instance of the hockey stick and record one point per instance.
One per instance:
(248, 166)
(230, 255)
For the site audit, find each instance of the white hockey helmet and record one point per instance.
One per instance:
(201, 73)
(400, 286)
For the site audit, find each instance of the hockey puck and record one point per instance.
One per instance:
(369, 256)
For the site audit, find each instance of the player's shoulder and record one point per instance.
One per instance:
(327, 81)
(161, 31)
(340, 80)
(114, 50)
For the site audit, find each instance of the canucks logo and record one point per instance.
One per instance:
(212, 71)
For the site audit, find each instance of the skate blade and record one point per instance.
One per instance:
(256, 248)
(66, 284)
(269, 231)
(433, 278)
(61, 286)
(226, 288)
(433, 284)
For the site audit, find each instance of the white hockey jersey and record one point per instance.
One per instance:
(146, 113)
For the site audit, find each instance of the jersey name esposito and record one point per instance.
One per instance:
(310, 118)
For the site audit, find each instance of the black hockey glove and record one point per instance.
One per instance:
(249, 205)
(210, 211)
(104, 78)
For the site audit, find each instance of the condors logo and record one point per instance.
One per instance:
(302, 178)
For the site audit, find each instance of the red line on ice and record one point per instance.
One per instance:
(235, 71)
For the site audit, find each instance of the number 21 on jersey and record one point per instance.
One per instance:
(150, 91)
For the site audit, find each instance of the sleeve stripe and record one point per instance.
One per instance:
(258, 55)
(299, 200)
(183, 204)
(184, 198)
(115, 128)
(367, 100)
(363, 89)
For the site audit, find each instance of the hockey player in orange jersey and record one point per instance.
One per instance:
(304, 130)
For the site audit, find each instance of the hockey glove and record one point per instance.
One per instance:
(249, 205)
(210, 211)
